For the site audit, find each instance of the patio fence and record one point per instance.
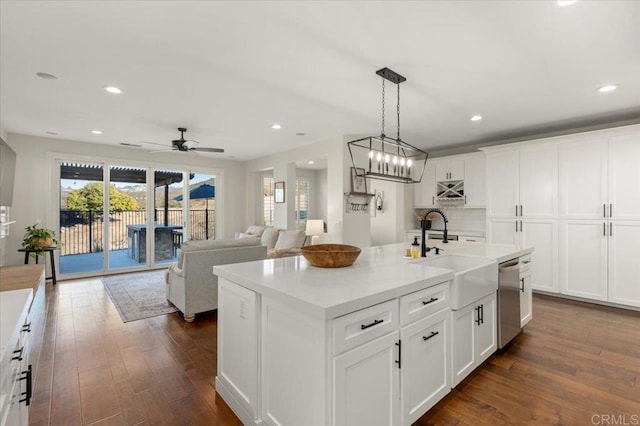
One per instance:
(81, 231)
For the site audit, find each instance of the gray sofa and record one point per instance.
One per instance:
(191, 285)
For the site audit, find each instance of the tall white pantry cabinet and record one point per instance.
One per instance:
(576, 198)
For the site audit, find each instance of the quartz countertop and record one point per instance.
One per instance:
(379, 274)
(13, 305)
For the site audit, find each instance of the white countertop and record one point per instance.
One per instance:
(13, 305)
(379, 274)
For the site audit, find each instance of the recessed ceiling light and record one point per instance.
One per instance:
(96, 132)
(51, 133)
(46, 76)
(608, 88)
(311, 162)
(564, 3)
(476, 118)
(276, 126)
(300, 134)
(112, 89)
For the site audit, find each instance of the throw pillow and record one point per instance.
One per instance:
(290, 239)
(255, 230)
(243, 235)
(269, 237)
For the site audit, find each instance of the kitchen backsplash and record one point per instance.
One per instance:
(459, 219)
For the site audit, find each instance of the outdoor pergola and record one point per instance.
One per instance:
(95, 172)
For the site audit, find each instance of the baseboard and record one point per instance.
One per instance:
(585, 300)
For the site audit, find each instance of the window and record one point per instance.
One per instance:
(267, 200)
(302, 201)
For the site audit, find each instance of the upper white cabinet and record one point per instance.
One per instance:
(523, 182)
(624, 177)
(425, 192)
(475, 182)
(450, 168)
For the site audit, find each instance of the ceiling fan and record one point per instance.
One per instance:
(183, 144)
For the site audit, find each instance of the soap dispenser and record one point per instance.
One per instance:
(415, 248)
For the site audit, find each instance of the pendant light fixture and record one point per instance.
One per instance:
(385, 158)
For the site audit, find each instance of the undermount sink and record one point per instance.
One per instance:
(473, 277)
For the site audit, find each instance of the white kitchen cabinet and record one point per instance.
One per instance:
(450, 168)
(474, 332)
(425, 192)
(366, 384)
(523, 183)
(583, 178)
(475, 181)
(503, 231)
(583, 258)
(238, 358)
(543, 235)
(624, 177)
(526, 298)
(623, 262)
(425, 374)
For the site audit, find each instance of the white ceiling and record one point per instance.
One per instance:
(228, 70)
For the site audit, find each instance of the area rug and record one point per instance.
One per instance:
(140, 295)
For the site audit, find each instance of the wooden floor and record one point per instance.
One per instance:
(572, 362)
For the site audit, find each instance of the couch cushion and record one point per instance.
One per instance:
(270, 237)
(290, 239)
(196, 245)
(255, 230)
(243, 235)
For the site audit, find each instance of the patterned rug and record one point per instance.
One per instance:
(140, 295)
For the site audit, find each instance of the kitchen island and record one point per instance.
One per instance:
(367, 344)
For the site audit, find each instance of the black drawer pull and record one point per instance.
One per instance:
(18, 357)
(433, 334)
(375, 322)
(28, 376)
(433, 299)
(27, 328)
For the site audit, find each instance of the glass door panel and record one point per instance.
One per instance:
(202, 206)
(127, 224)
(81, 218)
(168, 215)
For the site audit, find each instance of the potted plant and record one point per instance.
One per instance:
(37, 239)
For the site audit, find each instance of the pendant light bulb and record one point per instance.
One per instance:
(379, 156)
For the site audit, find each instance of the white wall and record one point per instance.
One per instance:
(34, 190)
(321, 194)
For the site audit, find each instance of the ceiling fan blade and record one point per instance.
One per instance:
(191, 140)
(162, 150)
(153, 143)
(207, 149)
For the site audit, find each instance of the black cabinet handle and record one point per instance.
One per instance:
(433, 334)
(610, 210)
(604, 210)
(477, 321)
(18, 357)
(433, 299)
(27, 328)
(611, 229)
(28, 376)
(481, 314)
(521, 213)
(516, 211)
(522, 288)
(375, 322)
(399, 345)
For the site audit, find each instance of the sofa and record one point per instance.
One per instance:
(190, 283)
(279, 242)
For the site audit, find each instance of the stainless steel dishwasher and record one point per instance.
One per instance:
(508, 301)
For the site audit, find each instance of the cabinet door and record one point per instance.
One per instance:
(526, 298)
(463, 338)
(425, 367)
(366, 384)
(456, 169)
(425, 191)
(238, 343)
(503, 231)
(583, 179)
(487, 331)
(502, 183)
(443, 168)
(583, 258)
(539, 182)
(624, 267)
(624, 177)
(542, 234)
(475, 181)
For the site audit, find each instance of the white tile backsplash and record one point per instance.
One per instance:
(459, 219)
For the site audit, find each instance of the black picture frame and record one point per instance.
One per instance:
(278, 192)
(358, 181)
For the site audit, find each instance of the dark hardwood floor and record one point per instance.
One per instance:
(574, 361)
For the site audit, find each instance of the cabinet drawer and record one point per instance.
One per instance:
(362, 326)
(423, 303)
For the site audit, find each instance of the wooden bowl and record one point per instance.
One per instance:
(331, 255)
